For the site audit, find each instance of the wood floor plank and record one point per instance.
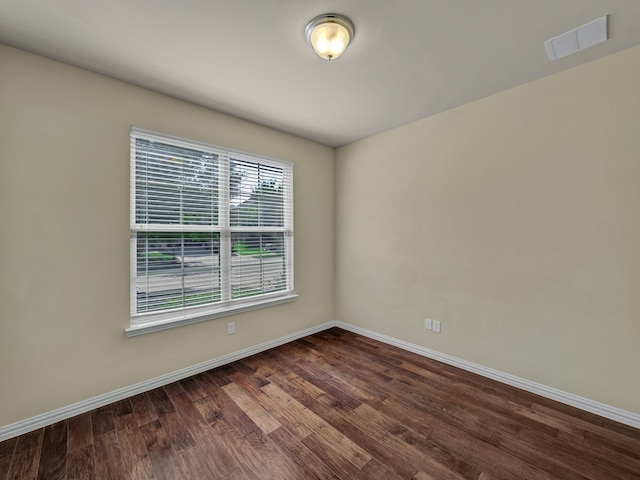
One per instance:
(413, 443)
(164, 461)
(217, 459)
(312, 466)
(212, 385)
(421, 475)
(512, 416)
(172, 424)
(349, 384)
(102, 420)
(173, 388)
(331, 406)
(567, 426)
(484, 455)
(303, 391)
(239, 474)
(286, 417)
(192, 389)
(209, 410)
(53, 465)
(242, 452)
(194, 464)
(262, 418)
(374, 422)
(486, 476)
(80, 432)
(325, 383)
(80, 453)
(219, 376)
(376, 470)
(179, 435)
(326, 452)
(276, 460)
(461, 377)
(107, 457)
(344, 447)
(256, 374)
(7, 448)
(121, 408)
(80, 463)
(134, 455)
(391, 454)
(335, 413)
(26, 457)
(263, 363)
(364, 389)
(571, 469)
(441, 465)
(602, 451)
(160, 401)
(143, 409)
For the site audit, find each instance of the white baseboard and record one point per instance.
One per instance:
(39, 421)
(59, 414)
(607, 411)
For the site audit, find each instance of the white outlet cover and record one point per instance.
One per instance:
(436, 326)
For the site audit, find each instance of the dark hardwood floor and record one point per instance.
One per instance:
(333, 405)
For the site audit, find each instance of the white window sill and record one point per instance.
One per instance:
(141, 327)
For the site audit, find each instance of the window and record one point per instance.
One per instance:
(211, 232)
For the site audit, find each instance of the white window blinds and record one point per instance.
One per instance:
(211, 230)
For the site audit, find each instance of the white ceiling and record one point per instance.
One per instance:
(409, 59)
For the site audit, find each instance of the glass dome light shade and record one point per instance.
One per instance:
(329, 35)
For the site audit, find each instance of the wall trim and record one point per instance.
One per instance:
(45, 419)
(48, 418)
(601, 409)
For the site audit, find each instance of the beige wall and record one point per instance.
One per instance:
(515, 220)
(64, 236)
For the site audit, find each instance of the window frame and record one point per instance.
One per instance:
(147, 322)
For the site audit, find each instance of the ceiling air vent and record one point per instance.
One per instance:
(573, 41)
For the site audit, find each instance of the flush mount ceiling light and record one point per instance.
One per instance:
(329, 34)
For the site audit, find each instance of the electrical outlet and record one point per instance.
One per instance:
(231, 328)
(428, 324)
(436, 326)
